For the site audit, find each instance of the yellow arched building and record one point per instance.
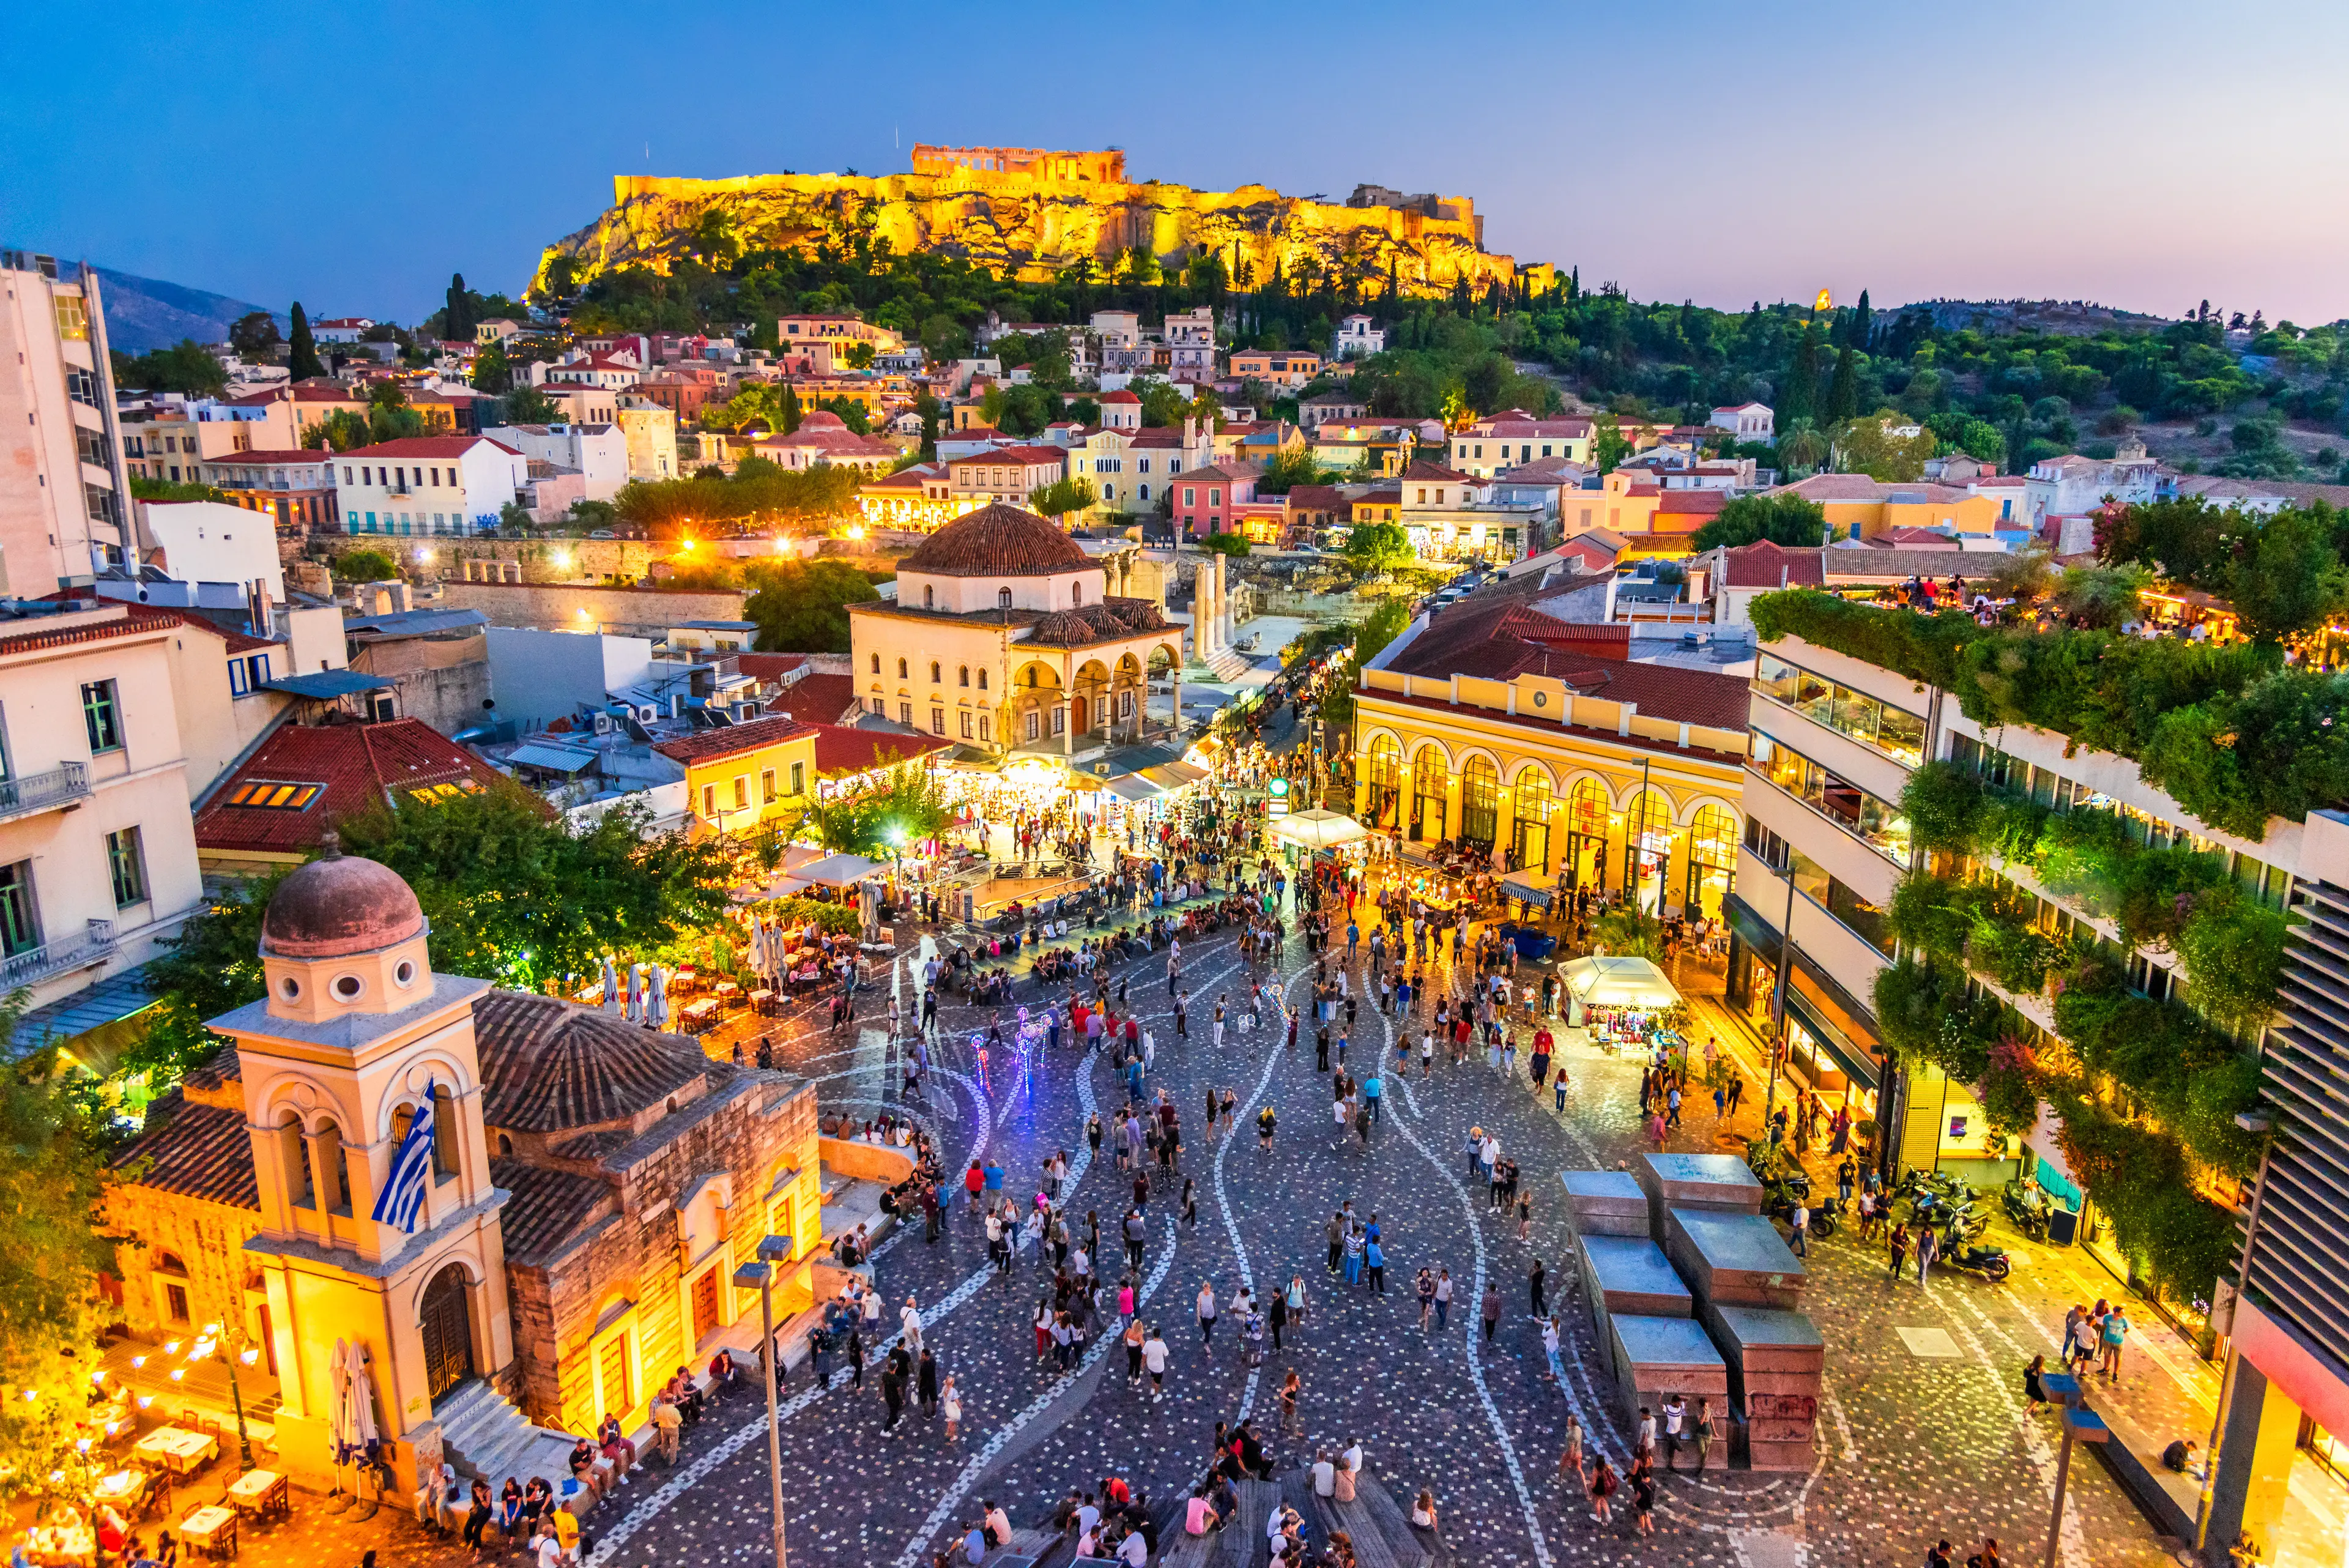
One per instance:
(1541, 743)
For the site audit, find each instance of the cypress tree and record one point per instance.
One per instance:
(303, 360)
(456, 321)
(791, 410)
(1574, 285)
(1863, 324)
(1800, 394)
(1842, 391)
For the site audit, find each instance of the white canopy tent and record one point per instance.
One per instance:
(1319, 829)
(832, 871)
(1615, 980)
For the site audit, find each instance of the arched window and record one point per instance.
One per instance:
(929, 596)
(1712, 860)
(876, 664)
(334, 1192)
(1480, 801)
(1530, 839)
(444, 1131)
(982, 680)
(901, 669)
(1430, 774)
(1586, 811)
(293, 1161)
(934, 672)
(1382, 771)
(1076, 593)
(1648, 848)
(962, 674)
(1003, 598)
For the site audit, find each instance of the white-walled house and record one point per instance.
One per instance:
(98, 851)
(214, 542)
(599, 451)
(428, 485)
(1747, 422)
(1357, 339)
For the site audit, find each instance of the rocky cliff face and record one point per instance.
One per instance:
(1029, 228)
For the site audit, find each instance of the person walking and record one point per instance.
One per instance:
(1551, 1341)
(1899, 1247)
(1572, 1459)
(1537, 1288)
(1602, 1487)
(1800, 1236)
(1492, 1310)
(1704, 1431)
(1374, 1263)
(1205, 1308)
(1153, 1361)
(1928, 1247)
(1425, 1286)
(1443, 1298)
(1133, 1339)
(950, 1399)
(1292, 1388)
(2115, 1336)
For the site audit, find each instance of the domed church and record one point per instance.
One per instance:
(579, 1199)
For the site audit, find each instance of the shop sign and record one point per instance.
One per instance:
(1278, 804)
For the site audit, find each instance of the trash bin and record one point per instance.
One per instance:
(2062, 1226)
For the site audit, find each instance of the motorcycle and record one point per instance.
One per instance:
(2027, 1208)
(1967, 1256)
(1778, 1201)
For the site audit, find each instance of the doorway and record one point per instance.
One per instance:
(705, 1305)
(447, 1325)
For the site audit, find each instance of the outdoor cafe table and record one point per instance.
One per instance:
(212, 1530)
(725, 991)
(762, 1001)
(259, 1493)
(697, 1014)
(121, 1490)
(176, 1450)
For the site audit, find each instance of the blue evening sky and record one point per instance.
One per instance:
(2147, 155)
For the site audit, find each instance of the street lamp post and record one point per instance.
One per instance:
(774, 1251)
(2261, 1124)
(209, 1343)
(2083, 1425)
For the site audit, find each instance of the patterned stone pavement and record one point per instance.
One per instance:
(1913, 1448)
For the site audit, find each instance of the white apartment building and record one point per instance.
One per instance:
(599, 453)
(1513, 436)
(97, 850)
(425, 485)
(63, 491)
(1356, 339)
(1191, 345)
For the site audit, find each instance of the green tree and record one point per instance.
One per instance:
(185, 368)
(527, 405)
(1287, 468)
(493, 371)
(1380, 547)
(254, 336)
(1610, 447)
(1869, 446)
(341, 430)
(365, 566)
(1226, 544)
(54, 1178)
(801, 606)
(520, 896)
(456, 321)
(1483, 381)
(2106, 598)
(2290, 580)
(1843, 390)
(147, 489)
(1060, 497)
(1798, 398)
(302, 358)
(1163, 404)
(1781, 519)
(912, 807)
(394, 422)
(1386, 622)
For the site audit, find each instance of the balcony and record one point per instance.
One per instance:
(79, 951)
(60, 788)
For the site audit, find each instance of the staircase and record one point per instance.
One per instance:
(488, 1439)
(1223, 665)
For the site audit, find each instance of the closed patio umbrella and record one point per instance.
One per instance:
(611, 985)
(636, 1014)
(656, 1002)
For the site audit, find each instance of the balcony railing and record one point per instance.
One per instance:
(77, 951)
(60, 786)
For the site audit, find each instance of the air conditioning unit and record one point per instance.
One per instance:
(676, 705)
(648, 714)
(603, 723)
(745, 711)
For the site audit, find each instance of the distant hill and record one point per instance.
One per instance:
(143, 313)
(2070, 317)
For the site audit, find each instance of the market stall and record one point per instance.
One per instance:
(1318, 829)
(1616, 996)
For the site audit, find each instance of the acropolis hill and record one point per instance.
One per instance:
(1029, 214)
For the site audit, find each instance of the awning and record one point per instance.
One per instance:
(1530, 892)
(555, 759)
(834, 871)
(326, 685)
(1318, 829)
(1135, 787)
(1172, 776)
(1619, 980)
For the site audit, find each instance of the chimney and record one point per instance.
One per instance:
(1623, 713)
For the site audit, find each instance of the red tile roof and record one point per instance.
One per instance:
(195, 1151)
(253, 459)
(817, 699)
(361, 765)
(1706, 502)
(1437, 471)
(1000, 540)
(732, 741)
(1023, 455)
(428, 446)
(769, 666)
(1762, 564)
(1118, 397)
(846, 748)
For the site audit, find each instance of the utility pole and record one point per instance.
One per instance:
(774, 1251)
(2262, 1125)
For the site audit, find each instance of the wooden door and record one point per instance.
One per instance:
(705, 1305)
(448, 1331)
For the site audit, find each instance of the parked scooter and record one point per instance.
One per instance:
(2026, 1205)
(1968, 1256)
(1778, 1201)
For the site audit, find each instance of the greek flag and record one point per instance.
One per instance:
(402, 1199)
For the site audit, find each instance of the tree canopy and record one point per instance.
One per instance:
(1378, 546)
(801, 606)
(1781, 519)
(759, 491)
(185, 368)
